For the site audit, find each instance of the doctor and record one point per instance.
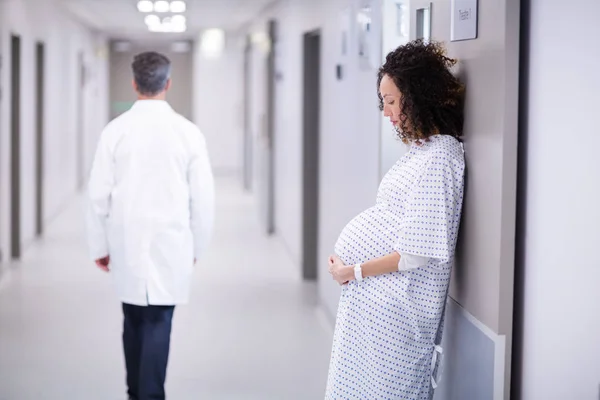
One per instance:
(150, 215)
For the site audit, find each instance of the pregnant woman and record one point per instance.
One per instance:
(394, 260)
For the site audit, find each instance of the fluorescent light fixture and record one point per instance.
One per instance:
(261, 40)
(212, 43)
(177, 28)
(152, 20)
(175, 24)
(178, 6)
(178, 20)
(156, 28)
(145, 6)
(161, 6)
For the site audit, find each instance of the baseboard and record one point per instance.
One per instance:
(473, 362)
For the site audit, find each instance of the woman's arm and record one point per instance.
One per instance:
(381, 265)
(377, 266)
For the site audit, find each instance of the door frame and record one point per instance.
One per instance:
(311, 67)
(40, 61)
(270, 126)
(15, 146)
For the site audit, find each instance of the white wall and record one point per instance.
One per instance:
(349, 156)
(392, 148)
(64, 38)
(561, 273)
(218, 100)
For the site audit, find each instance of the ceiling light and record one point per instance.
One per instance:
(177, 28)
(261, 40)
(178, 20)
(178, 6)
(152, 20)
(145, 6)
(161, 6)
(175, 24)
(212, 43)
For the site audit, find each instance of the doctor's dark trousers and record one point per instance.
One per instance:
(146, 342)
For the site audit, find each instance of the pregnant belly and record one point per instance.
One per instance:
(369, 235)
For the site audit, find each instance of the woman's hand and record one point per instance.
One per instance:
(341, 273)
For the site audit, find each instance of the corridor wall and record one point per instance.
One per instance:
(348, 126)
(479, 323)
(218, 101)
(557, 304)
(64, 39)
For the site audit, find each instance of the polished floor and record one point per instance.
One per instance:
(252, 330)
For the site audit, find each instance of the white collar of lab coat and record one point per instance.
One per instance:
(151, 105)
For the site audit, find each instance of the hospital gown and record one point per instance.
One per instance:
(388, 326)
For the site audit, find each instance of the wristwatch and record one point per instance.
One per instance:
(358, 273)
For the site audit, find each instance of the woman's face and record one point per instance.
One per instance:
(391, 100)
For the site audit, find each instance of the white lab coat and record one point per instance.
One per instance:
(150, 203)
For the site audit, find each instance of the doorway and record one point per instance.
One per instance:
(310, 153)
(15, 147)
(248, 143)
(39, 133)
(265, 149)
(273, 28)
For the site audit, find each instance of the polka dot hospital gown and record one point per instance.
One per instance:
(388, 326)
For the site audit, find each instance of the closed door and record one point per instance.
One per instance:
(15, 147)
(310, 153)
(39, 143)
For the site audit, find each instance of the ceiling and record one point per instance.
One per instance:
(120, 19)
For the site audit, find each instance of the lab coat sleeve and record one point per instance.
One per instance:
(202, 196)
(100, 187)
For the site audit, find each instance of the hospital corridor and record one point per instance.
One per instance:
(382, 199)
(252, 329)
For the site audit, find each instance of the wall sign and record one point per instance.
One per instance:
(463, 25)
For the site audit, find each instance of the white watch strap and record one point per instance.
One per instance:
(358, 272)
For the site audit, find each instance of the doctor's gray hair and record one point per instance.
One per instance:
(151, 71)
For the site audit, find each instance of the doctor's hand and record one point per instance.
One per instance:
(341, 273)
(103, 263)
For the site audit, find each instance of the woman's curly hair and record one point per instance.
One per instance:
(432, 97)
